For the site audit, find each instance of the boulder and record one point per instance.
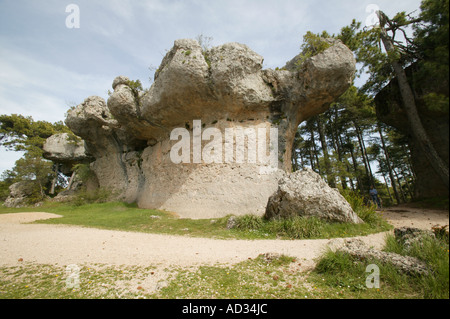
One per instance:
(305, 193)
(64, 148)
(18, 194)
(131, 135)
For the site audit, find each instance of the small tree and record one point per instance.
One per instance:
(36, 171)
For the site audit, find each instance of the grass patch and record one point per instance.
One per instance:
(305, 228)
(251, 279)
(313, 228)
(37, 281)
(433, 251)
(128, 217)
(340, 275)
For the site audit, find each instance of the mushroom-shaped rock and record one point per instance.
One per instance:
(213, 134)
(65, 148)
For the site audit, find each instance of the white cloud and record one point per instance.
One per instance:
(44, 66)
(42, 90)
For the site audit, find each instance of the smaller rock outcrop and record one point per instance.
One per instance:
(406, 264)
(408, 236)
(18, 194)
(64, 148)
(305, 193)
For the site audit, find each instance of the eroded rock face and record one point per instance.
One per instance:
(223, 88)
(305, 193)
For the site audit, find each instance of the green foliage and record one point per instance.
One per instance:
(434, 252)
(299, 227)
(83, 172)
(99, 195)
(313, 44)
(20, 133)
(367, 212)
(431, 41)
(436, 102)
(73, 139)
(249, 222)
(338, 270)
(136, 88)
(35, 171)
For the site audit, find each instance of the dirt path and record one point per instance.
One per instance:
(64, 245)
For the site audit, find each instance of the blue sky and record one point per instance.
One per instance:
(46, 67)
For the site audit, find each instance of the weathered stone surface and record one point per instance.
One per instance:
(225, 87)
(406, 264)
(305, 193)
(62, 149)
(408, 236)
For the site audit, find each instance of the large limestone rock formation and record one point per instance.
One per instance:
(204, 97)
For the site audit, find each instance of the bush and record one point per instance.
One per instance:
(249, 222)
(366, 212)
(100, 195)
(313, 44)
(297, 227)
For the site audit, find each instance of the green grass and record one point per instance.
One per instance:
(128, 217)
(251, 279)
(435, 253)
(314, 228)
(339, 275)
(37, 281)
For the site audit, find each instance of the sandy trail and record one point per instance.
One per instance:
(64, 245)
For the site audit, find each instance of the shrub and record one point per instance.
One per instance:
(366, 212)
(297, 227)
(249, 222)
(100, 195)
(313, 44)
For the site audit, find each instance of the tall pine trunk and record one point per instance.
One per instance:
(330, 178)
(388, 163)
(409, 104)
